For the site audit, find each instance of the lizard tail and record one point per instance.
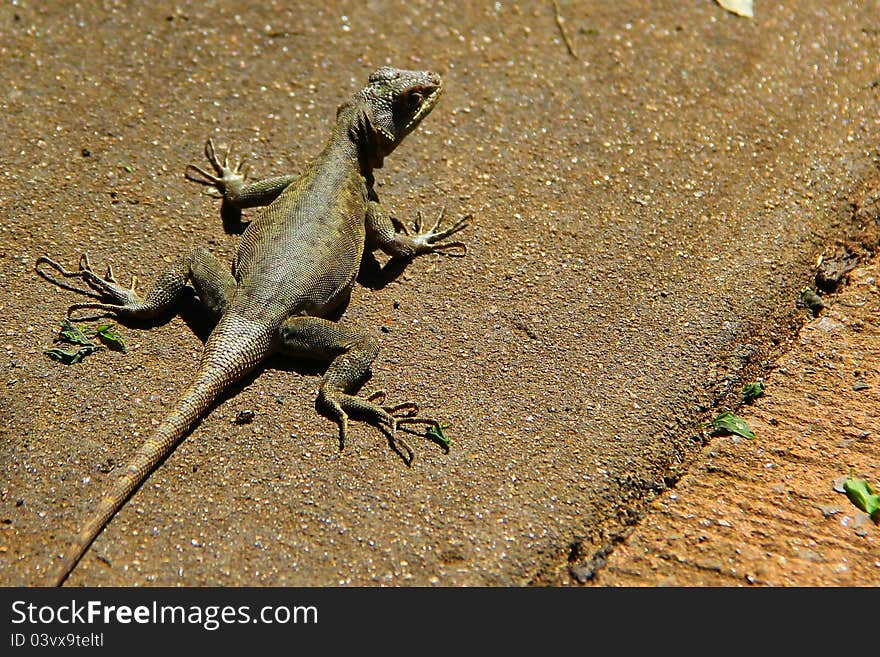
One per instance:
(219, 369)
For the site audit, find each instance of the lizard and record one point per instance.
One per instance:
(295, 266)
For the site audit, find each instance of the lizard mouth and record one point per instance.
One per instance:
(430, 94)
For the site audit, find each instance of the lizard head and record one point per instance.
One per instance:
(392, 104)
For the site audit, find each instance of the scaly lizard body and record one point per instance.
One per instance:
(296, 265)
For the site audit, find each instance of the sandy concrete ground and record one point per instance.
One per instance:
(647, 208)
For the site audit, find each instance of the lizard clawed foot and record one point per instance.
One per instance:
(390, 418)
(224, 175)
(104, 289)
(398, 416)
(429, 241)
(398, 444)
(407, 408)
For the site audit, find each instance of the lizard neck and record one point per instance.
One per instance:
(354, 136)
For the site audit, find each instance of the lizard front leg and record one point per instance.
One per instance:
(351, 352)
(230, 181)
(395, 240)
(213, 283)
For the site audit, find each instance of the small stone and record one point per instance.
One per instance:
(838, 484)
(829, 510)
(861, 518)
(812, 301)
(828, 325)
(245, 417)
(810, 555)
(583, 573)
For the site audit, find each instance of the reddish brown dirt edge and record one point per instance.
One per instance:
(764, 511)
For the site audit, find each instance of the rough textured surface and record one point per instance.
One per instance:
(765, 511)
(646, 216)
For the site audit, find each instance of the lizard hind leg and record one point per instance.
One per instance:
(351, 352)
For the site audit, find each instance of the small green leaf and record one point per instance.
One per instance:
(73, 334)
(863, 496)
(128, 168)
(110, 338)
(71, 356)
(731, 423)
(436, 434)
(751, 391)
